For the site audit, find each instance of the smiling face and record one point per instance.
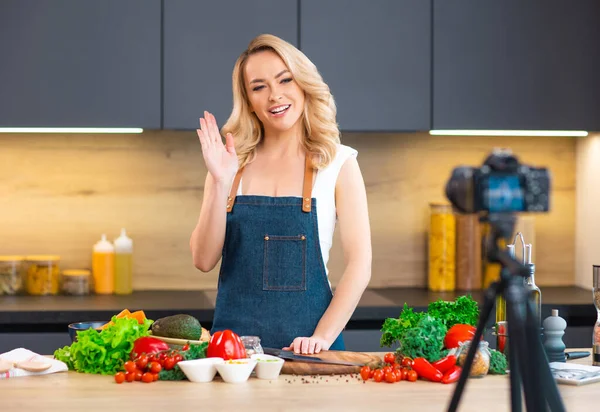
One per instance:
(273, 94)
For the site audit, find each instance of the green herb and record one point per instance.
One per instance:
(106, 351)
(463, 310)
(425, 340)
(394, 329)
(498, 363)
(176, 374)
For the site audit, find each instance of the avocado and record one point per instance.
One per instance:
(178, 326)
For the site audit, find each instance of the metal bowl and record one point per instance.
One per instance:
(79, 326)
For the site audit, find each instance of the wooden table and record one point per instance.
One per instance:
(72, 391)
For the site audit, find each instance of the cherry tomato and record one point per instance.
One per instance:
(185, 347)
(155, 376)
(130, 366)
(142, 362)
(398, 374)
(178, 358)
(372, 373)
(390, 377)
(130, 376)
(404, 373)
(169, 363)
(396, 366)
(389, 358)
(138, 375)
(412, 376)
(378, 375)
(407, 362)
(162, 356)
(119, 377)
(155, 367)
(151, 358)
(147, 377)
(387, 369)
(365, 371)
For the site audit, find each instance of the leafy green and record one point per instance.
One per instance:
(463, 311)
(498, 363)
(176, 374)
(106, 351)
(394, 329)
(425, 340)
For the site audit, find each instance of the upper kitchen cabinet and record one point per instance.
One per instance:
(74, 63)
(376, 58)
(516, 64)
(202, 41)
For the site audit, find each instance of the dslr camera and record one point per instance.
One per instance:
(500, 185)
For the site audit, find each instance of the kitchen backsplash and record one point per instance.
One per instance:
(59, 193)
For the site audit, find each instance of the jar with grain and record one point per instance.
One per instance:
(11, 275)
(76, 282)
(468, 252)
(43, 275)
(442, 248)
(481, 361)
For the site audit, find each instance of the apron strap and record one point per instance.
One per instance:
(306, 188)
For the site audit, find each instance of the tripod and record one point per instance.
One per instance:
(527, 360)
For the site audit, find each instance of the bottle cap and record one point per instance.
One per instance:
(554, 312)
(104, 246)
(123, 244)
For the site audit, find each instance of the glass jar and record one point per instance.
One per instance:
(442, 248)
(75, 282)
(252, 345)
(481, 361)
(43, 275)
(11, 275)
(468, 252)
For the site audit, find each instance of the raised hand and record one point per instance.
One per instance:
(221, 159)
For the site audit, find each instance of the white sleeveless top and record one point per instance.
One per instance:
(324, 192)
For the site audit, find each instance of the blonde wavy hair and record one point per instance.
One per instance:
(321, 133)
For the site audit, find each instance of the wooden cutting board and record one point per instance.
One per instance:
(311, 368)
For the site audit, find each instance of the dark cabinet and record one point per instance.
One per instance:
(202, 41)
(75, 63)
(376, 58)
(516, 64)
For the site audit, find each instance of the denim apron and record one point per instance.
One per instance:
(272, 282)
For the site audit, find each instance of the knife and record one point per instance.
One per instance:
(289, 355)
(576, 355)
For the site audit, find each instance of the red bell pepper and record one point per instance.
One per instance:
(227, 345)
(147, 345)
(457, 334)
(445, 364)
(426, 370)
(452, 375)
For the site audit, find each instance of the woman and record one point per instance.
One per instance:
(281, 161)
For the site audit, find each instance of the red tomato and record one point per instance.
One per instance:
(185, 347)
(387, 369)
(398, 374)
(390, 377)
(404, 372)
(142, 362)
(148, 377)
(155, 367)
(389, 358)
(396, 366)
(372, 373)
(155, 376)
(137, 375)
(130, 376)
(130, 366)
(178, 358)
(412, 376)
(378, 375)
(457, 334)
(119, 377)
(365, 372)
(169, 363)
(407, 362)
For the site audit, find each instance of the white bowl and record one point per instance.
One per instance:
(236, 370)
(267, 366)
(200, 370)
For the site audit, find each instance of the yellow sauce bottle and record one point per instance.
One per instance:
(103, 267)
(123, 264)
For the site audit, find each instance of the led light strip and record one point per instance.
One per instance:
(570, 133)
(70, 130)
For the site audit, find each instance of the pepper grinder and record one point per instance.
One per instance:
(554, 329)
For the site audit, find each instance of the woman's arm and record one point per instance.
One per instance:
(353, 219)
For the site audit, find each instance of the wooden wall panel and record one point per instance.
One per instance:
(59, 193)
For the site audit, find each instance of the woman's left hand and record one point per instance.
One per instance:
(311, 345)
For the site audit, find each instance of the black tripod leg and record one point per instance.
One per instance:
(544, 382)
(488, 305)
(515, 378)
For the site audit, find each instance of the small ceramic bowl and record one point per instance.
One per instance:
(267, 366)
(236, 371)
(200, 370)
(80, 326)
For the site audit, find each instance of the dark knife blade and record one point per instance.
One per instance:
(289, 355)
(576, 355)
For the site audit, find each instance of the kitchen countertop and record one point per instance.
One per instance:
(71, 391)
(22, 313)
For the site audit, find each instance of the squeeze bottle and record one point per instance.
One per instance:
(123, 264)
(103, 267)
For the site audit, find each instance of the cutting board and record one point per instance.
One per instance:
(311, 368)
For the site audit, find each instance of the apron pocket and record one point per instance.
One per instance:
(284, 266)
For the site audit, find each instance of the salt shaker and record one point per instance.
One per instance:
(554, 329)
